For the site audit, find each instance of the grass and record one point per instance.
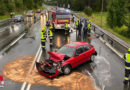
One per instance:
(6, 16)
(96, 18)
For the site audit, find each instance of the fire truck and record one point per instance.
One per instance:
(59, 17)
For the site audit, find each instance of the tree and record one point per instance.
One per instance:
(2, 8)
(19, 4)
(116, 13)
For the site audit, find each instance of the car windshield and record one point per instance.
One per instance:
(67, 51)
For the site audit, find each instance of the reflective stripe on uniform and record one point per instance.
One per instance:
(43, 46)
(126, 78)
(128, 57)
(127, 67)
(43, 40)
(50, 33)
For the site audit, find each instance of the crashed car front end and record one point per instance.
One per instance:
(48, 68)
(51, 67)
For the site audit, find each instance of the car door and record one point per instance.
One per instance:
(79, 56)
(87, 52)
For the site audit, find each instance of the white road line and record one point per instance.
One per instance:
(37, 58)
(24, 84)
(17, 39)
(28, 87)
(11, 44)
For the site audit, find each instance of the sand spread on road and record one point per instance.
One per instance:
(18, 71)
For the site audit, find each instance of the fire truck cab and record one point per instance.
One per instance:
(59, 17)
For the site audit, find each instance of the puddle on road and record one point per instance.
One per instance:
(102, 71)
(18, 69)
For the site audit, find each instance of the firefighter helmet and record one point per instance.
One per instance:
(44, 28)
(89, 21)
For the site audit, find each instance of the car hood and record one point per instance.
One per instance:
(56, 57)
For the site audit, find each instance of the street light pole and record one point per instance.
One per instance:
(101, 13)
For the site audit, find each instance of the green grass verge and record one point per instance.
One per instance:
(6, 16)
(96, 18)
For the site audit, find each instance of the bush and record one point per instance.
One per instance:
(116, 13)
(88, 11)
(123, 30)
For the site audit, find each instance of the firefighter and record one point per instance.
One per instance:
(66, 27)
(50, 34)
(127, 67)
(47, 21)
(89, 31)
(77, 24)
(80, 28)
(85, 29)
(12, 15)
(43, 37)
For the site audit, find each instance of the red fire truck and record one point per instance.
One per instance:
(59, 17)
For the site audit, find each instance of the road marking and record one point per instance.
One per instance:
(12, 43)
(38, 59)
(17, 39)
(28, 87)
(24, 84)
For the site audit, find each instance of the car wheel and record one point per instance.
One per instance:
(67, 70)
(92, 58)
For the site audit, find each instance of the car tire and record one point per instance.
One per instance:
(92, 58)
(67, 69)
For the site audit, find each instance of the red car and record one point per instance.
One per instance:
(66, 58)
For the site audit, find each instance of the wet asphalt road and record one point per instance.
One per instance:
(107, 69)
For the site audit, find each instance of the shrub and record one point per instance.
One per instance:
(123, 30)
(88, 11)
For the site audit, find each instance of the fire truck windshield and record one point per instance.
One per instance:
(62, 16)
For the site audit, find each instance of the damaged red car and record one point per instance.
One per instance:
(66, 58)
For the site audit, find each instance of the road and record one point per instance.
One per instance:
(105, 73)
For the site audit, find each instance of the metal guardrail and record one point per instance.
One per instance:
(120, 45)
(3, 22)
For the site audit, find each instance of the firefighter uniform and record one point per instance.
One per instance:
(127, 66)
(77, 24)
(89, 31)
(43, 37)
(66, 27)
(50, 34)
(47, 21)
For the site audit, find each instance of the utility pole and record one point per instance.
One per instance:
(101, 13)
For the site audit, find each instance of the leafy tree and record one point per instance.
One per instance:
(116, 13)
(2, 8)
(19, 4)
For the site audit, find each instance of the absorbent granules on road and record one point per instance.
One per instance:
(19, 68)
